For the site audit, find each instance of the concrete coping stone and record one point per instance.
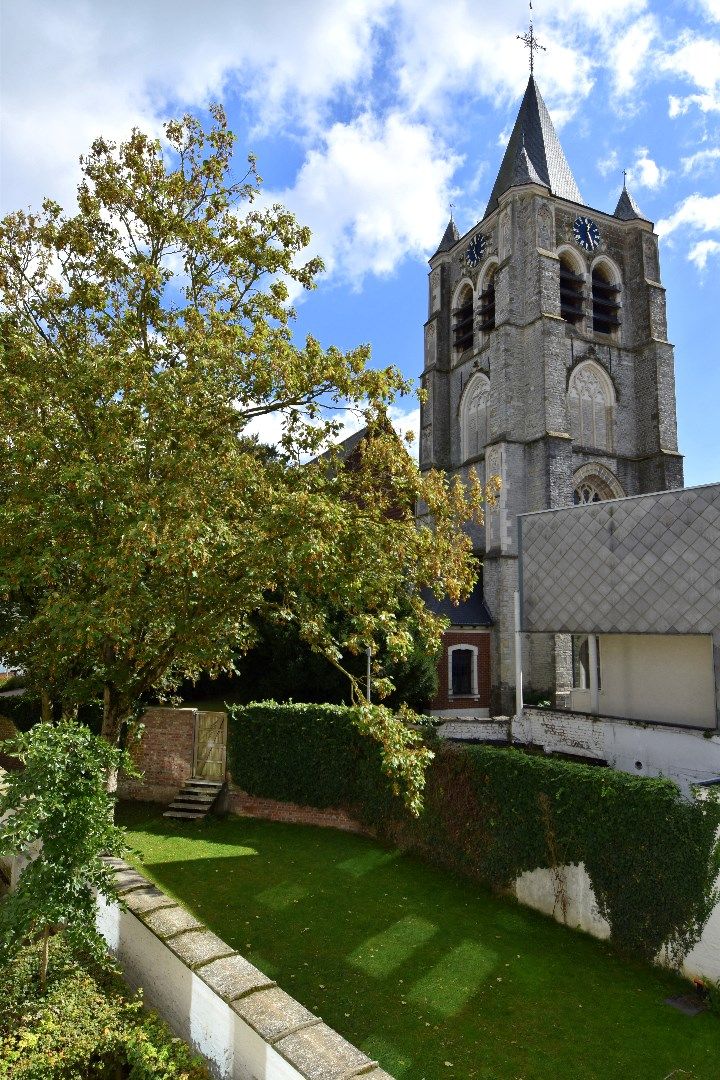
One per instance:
(198, 947)
(233, 977)
(142, 901)
(272, 1013)
(320, 1053)
(166, 922)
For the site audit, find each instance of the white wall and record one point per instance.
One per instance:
(660, 678)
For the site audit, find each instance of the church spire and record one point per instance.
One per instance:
(627, 209)
(450, 237)
(534, 137)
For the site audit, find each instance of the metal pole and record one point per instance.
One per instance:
(367, 689)
(518, 658)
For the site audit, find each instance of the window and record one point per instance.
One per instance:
(591, 401)
(474, 416)
(462, 671)
(581, 662)
(572, 287)
(595, 483)
(463, 320)
(487, 302)
(605, 302)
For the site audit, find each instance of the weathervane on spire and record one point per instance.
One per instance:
(531, 42)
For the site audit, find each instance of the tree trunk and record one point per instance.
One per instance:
(113, 718)
(46, 707)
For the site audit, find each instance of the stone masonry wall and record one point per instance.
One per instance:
(164, 755)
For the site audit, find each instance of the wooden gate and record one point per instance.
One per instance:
(210, 743)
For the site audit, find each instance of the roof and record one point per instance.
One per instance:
(470, 612)
(534, 154)
(449, 239)
(627, 209)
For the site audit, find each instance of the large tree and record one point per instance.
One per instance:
(141, 530)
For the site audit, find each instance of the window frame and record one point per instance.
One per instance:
(474, 681)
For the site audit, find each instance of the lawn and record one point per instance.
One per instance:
(425, 971)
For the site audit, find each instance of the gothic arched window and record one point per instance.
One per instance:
(487, 301)
(474, 416)
(594, 483)
(463, 320)
(606, 305)
(591, 401)
(572, 290)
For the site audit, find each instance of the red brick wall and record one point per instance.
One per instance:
(164, 755)
(238, 802)
(481, 640)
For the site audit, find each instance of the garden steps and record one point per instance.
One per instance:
(195, 800)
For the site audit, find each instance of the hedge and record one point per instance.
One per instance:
(85, 1025)
(492, 813)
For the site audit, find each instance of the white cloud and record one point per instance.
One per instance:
(697, 60)
(712, 8)
(80, 69)
(700, 253)
(702, 161)
(645, 172)
(609, 163)
(628, 55)
(698, 212)
(375, 191)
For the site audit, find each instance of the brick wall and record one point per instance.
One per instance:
(481, 640)
(164, 755)
(244, 805)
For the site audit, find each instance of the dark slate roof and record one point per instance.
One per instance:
(627, 209)
(524, 172)
(535, 132)
(470, 612)
(450, 237)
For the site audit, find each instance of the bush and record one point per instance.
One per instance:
(493, 813)
(84, 1026)
(25, 711)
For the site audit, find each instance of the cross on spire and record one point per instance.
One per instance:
(531, 42)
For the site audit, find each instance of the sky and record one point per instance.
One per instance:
(369, 118)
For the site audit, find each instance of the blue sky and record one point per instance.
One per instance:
(370, 117)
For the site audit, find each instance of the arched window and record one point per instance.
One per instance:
(474, 416)
(463, 320)
(591, 401)
(487, 301)
(572, 290)
(462, 671)
(605, 298)
(594, 483)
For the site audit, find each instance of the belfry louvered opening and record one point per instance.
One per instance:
(572, 285)
(487, 303)
(606, 306)
(463, 321)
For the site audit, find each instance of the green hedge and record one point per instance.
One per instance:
(307, 754)
(85, 1025)
(493, 813)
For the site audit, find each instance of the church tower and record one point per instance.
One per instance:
(546, 364)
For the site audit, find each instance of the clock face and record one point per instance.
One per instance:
(586, 233)
(475, 250)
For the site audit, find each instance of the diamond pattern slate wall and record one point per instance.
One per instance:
(648, 564)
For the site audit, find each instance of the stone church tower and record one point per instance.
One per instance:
(547, 364)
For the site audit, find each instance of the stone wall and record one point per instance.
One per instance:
(164, 755)
(244, 805)
(242, 1023)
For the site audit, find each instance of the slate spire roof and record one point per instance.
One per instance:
(450, 237)
(627, 209)
(534, 153)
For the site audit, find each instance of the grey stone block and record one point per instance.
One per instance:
(233, 977)
(272, 1013)
(168, 921)
(319, 1053)
(125, 880)
(197, 947)
(147, 899)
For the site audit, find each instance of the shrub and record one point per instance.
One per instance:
(84, 1025)
(493, 813)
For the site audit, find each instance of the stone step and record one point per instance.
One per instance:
(205, 783)
(185, 814)
(194, 801)
(197, 796)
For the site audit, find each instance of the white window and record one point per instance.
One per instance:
(462, 671)
(591, 401)
(474, 416)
